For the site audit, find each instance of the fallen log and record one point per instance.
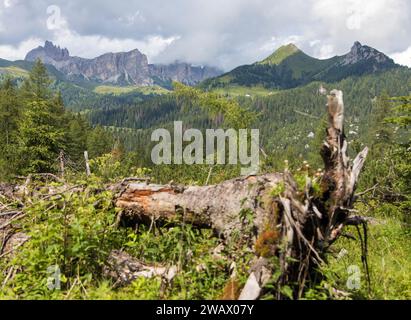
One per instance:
(124, 269)
(219, 207)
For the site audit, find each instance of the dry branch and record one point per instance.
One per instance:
(123, 268)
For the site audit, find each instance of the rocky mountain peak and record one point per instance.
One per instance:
(48, 52)
(361, 52)
(121, 68)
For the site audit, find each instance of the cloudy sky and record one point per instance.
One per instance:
(225, 33)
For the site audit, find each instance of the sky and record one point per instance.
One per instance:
(222, 33)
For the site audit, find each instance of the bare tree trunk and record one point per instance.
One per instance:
(88, 172)
(61, 162)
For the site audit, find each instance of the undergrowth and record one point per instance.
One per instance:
(76, 231)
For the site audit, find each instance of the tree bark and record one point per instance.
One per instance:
(219, 207)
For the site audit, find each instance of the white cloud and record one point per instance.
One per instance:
(9, 3)
(322, 50)
(269, 45)
(224, 33)
(87, 46)
(131, 19)
(90, 46)
(10, 52)
(379, 23)
(326, 51)
(94, 45)
(403, 58)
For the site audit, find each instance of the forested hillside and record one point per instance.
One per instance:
(289, 67)
(289, 120)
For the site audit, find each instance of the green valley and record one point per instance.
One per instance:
(117, 90)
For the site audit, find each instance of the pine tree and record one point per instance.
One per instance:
(403, 112)
(78, 130)
(40, 132)
(99, 142)
(37, 86)
(9, 112)
(381, 132)
(41, 137)
(9, 117)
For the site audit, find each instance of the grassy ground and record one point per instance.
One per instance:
(389, 257)
(116, 90)
(233, 91)
(236, 91)
(15, 72)
(77, 231)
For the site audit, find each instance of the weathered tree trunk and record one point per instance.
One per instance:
(219, 207)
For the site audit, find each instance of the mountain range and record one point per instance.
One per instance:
(289, 67)
(122, 68)
(125, 93)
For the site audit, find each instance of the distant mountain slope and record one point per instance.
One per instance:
(289, 120)
(123, 68)
(162, 74)
(280, 55)
(80, 94)
(290, 67)
(20, 69)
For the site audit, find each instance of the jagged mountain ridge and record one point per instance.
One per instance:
(290, 67)
(122, 68)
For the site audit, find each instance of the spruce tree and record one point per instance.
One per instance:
(99, 142)
(40, 132)
(78, 130)
(9, 117)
